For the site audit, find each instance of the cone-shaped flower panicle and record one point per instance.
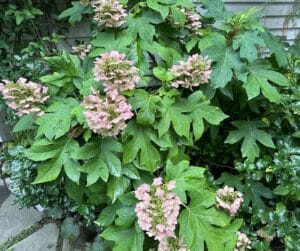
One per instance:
(243, 242)
(105, 116)
(229, 199)
(158, 209)
(25, 97)
(193, 22)
(172, 244)
(81, 50)
(191, 73)
(117, 73)
(109, 13)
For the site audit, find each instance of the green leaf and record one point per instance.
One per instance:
(116, 187)
(251, 134)
(281, 190)
(188, 178)
(202, 110)
(74, 14)
(126, 216)
(162, 74)
(65, 63)
(131, 172)
(178, 16)
(19, 18)
(190, 44)
(49, 171)
(162, 9)
(202, 225)
(57, 79)
(139, 145)
(74, 191)
(140, 27)
(165, 53)
(260, 79)
(125, 238)
(275, 46)
(102, 157)
(107, 216)
(215, 9)
(255, 191)
(3, 44)
(173, 114)
(248, 42)
(147, 104)
(227, 60)
(109, 40)
(128, 199)
(25, 123)
(71, 168)
(56, 122)
(44, 149)
(59, 152)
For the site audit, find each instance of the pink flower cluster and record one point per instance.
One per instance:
(25, 97)
(193, 22)
(117, 73)
(81, 50)
(191, 73)
(106, 116)
(243, 242)
(158, 209)
(109, 13)
(170, 244)
(229, 199)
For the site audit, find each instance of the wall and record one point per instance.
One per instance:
(275, 15)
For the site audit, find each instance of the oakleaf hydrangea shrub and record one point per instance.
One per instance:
(167, 124)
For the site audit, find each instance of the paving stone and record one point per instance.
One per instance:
(13, 220)
(4, 194)
(43, 240)
(76, 245)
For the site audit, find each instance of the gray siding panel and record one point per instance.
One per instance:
(280, 9)
(275, 13)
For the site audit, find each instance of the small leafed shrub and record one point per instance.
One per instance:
(174, 127)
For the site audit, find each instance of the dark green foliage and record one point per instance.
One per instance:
(241, 129)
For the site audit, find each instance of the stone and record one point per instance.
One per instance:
(78, 244)
(44, 239)
(4, 194)
(13, 219)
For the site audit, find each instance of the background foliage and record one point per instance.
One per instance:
(241, 129)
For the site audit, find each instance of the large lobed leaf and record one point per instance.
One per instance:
(202, 225)
(139, 143)
(102, 157)
(56, 122)
(58, 155)
(125, 238)
(227, 60)
(251, 134)
(259, 80)
(187, 178)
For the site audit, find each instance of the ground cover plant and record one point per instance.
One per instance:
(174, 127)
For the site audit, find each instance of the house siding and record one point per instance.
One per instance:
(275, 15)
